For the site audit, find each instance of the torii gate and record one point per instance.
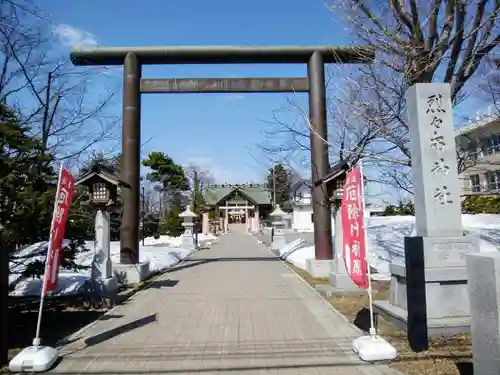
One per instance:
(132, 59)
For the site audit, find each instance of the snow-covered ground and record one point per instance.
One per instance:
(386, 238)
(385, 245)
(161, 253)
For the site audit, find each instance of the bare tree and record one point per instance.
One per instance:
(349, 136)
(417, 41)
(490, 87)
(204, 176)
(52, 97)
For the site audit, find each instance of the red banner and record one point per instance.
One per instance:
(64, 194)
(353, 246)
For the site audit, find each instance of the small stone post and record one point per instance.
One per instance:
(339, 278)
(205, 226)
(483, 273)
(257, 219)
(188, 241)
(102, 272)
(279, 235)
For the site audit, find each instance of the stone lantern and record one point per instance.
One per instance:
(188, 241)
(103, 188)
(278, 223)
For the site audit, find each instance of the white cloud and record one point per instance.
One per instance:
(75, 38)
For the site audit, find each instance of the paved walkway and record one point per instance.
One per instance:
(234, 308)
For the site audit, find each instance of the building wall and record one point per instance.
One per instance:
(303, 195)
(482, 165)
(302, 218)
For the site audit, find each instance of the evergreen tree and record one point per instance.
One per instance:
(166, 171)
(279, 179)
(172, 226)
(175, 184)
(151, 227)
(27, 193)
(98, 158)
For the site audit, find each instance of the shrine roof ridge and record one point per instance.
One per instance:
(246, 185)
(284, 54)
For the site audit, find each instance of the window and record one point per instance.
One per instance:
(490, 145)
(472, 150)
(493, 179)
(495, 142)
(485, 146)
(475, 183)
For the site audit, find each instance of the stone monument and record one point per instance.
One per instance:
(438, 218)
(188, 241)
(483, 272)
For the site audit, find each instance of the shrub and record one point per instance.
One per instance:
(172, 226)
(481, 205)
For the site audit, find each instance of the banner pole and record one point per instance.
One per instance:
(36, 340)
(372, 331)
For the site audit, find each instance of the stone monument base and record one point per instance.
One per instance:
(278, 243)
(276, 252)
(398, 317)
(342, 282)
(131, 273)
(187, 242)
(319, 268)
(446, 292)
(107, 287)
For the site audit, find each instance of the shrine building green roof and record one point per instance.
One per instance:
(257, 194)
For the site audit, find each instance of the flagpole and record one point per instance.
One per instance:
(372, 331)
(36, 340)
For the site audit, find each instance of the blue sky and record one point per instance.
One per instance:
(216, 130)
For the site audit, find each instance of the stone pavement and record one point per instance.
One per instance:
(234, 308)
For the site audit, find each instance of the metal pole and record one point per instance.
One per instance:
(131, 138)
(4, 305)
(319, 157)
(372, 331)
(160, 198)
(36, 340)
(274, 186)
(143, 214)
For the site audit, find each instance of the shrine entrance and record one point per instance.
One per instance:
(237, 216)
(133, 58)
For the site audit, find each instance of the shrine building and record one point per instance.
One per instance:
(239, 207)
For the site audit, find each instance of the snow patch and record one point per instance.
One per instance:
(161, 253)
(385, 240)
